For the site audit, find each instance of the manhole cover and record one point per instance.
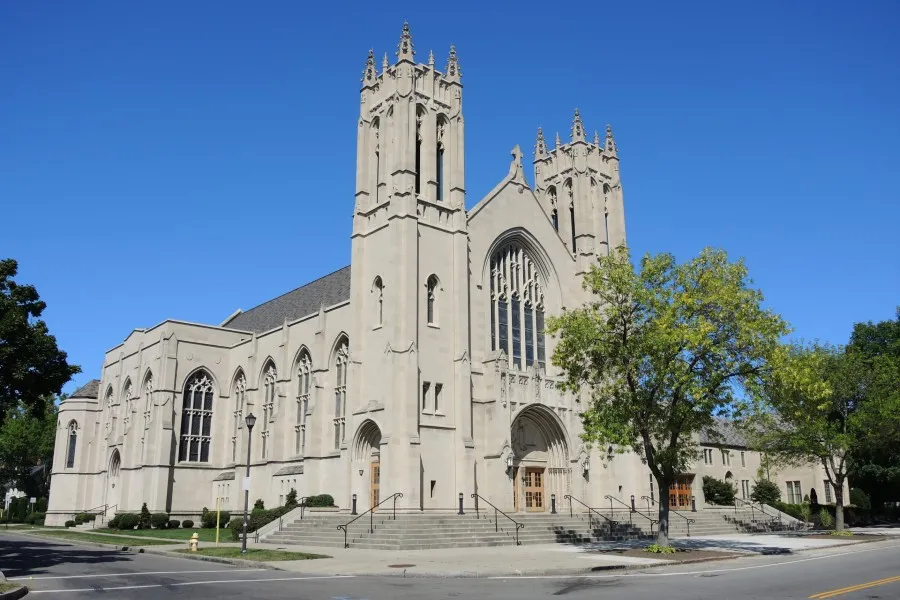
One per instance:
(400, 566)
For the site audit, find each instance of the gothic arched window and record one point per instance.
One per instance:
(270, 376)
(420, 113)
(128, 403)
(196, 418)
(304, 377)
(439, 154)
(378, 299)
(376, 163)
(431, 290)
(110, 408)
(570, 199)
(239, 391)
(147, 395)
(517, 307)
(341, 362)
(73, 441)
(554, 213)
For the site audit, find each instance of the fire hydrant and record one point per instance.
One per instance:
(194, 542)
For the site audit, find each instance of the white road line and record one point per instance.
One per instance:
(134, 574)
(184, 583)
(682, 573)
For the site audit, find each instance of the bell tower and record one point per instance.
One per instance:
(410, 249)
(578, 185)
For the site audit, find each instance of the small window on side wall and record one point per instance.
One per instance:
(431, 290)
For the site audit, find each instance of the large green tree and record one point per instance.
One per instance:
(32, 367)
(27, 436)
(662, 351)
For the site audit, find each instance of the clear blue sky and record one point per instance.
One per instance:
(184, 159)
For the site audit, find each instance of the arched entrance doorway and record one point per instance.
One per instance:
(113, 486)
(366, 460)
(540, 459)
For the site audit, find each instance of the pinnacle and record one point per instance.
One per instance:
(370, 73)
(540, 147)
(405, 49)
(577, 127)
(431, 59)
(610, 141)
(453, 63)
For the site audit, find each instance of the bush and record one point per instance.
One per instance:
(859, 499)
(208, 519)
(114, 522)
(79, 519)
(41, 505)
(173, 524)
(806, 512)
(717, 491)
(187, 524)
(766, 492)
(322, 500)
(291, 499)
(18, 508)
(159, 520)
(259, 504)
(826, 519)
(34, 517)
(70, 523)
(657, 549)
(258, 518)
(128, 520)
(144, 518)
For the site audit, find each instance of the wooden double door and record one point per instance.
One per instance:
(532, 497)
(375, 484)
(680, 493)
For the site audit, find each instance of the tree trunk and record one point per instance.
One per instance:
(662, 536)
(839, 506)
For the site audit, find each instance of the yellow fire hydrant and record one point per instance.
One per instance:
(194, 542)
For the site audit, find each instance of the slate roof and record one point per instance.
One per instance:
(290, 470)
(226, 476)
(89, 390)
(725, 434)
(301, 302)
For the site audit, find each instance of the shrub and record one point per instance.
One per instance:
(41, 505)
(144, 518)
(258, 518)
(844, 533)
(34, 517)
(259, 504)
(717, 491)
(187, 524)
(291, 499)
(173, 524)
(70, 523)
(208, 519)
(79, 519)
(322, 500)
(826, 519)
(766, 492)
(806, 512)
(159, 520)
(657, 549)
(790, 509)
(128, 520)
(18, 508)
(114, 522)
(859, 499)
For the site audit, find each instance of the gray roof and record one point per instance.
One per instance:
(226, 476)
(724, 434)
(89, 390)
(290, 470)
(301, 302)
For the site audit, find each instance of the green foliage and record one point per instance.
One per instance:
(70, 523)
(805, 512)
(159, 520)
(717, 491)
(793, 510)
(208, 519)
(859, 499)
(766, 492)
(144, 518)
(128, 520)
(41, 505)
(173, 524)
(259, 504)
(663, 352)
(826, 519)
(187, 524)
(114, 522)
(291, 499)
(320, 501)
(27, 436)
(35, 518)
(660, 549)
(18, 508)
(844, 533)
(79, 519)
(257, 518)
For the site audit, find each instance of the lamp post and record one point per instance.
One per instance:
(251, 421)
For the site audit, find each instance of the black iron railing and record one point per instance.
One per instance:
(591, 511)
(754, 508)
(96, 512)
(497, 512)
(371, 513)
(631, 510)
(671, 512)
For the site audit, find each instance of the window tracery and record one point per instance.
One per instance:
(341, 363)
(517, 307)
(196, 419)
(304, 376)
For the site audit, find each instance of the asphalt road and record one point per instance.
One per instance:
(59, 570)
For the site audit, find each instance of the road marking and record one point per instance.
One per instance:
(185, 583)
(682, 573)
(134, 574)
(854, 588)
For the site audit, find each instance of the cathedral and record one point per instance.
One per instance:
(421, 368)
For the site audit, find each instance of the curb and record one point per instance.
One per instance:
(135, 549)
(238, 562)
(12, 594)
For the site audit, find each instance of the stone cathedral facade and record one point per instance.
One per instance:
(423, 367)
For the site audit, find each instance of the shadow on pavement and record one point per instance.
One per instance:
(32, 557)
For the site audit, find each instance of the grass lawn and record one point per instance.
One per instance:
(78, 536)
(8, 587)
(206, 535)
(259, 554)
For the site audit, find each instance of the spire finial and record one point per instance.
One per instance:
(384, 63)
(577, 128)
(369, 74)
(405, 50)
(453, 71)
(596, 138)
(431, 59)
(558, 143)
(540, 148)
(611, 147)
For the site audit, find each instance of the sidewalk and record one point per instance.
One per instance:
(549, 559)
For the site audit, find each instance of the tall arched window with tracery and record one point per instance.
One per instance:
(239, 391)
(110, 409)
(304, 377)
(442, 127)
(554, 211)
(341, 364)
(269, 379)
(70, 448)
(196, 418)
(147, 396)
(376, 159)
(128, 403)
(517, 307)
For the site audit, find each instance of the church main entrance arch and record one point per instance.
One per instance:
(540, 459)
(366, 459)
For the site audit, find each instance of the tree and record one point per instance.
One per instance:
(32, 367)
(26, 440)
(814, 408)
(765, 492)
(662, 352)
(716, 491)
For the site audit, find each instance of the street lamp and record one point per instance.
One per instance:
(251, 421)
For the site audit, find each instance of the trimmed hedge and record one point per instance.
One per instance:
(128, 520)
(159, 520)
(187, 524)
(35, 518)
(70, 523)
(208, 519)
(258, 517)
(174, 523)
(320, 501)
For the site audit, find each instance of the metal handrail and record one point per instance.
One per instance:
(570, 497)
(672, 512)
(371, 512)
(496, 512)
(753, 508)
(631, 509)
